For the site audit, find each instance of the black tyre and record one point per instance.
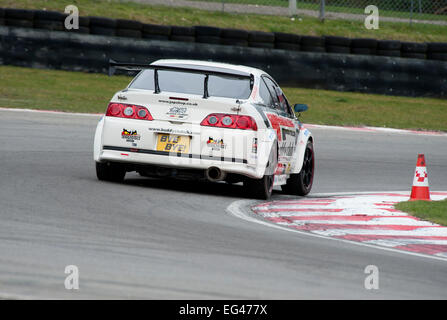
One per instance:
(260, 36)
(129, 24)
(102, 22)
(414, 47)
(49, 15)
(389, 53)
(338, 49)
(367, 51)
(19, 23)
(437, 47)
(183, 38)
(414, 55)
(155, 37)
(156, 29)
(287, 37)
(300, 184)
(49, 25)
(270, 45)
(206, 31)
(364, 43)
(389, 45)
(208, 39)
(234, 42)
(260, 188)
(437, 56)
(313, 49)
(287, 46)
(312, 41)
(20, 14)
(337, 41)
(183, 31)
(128, 33)
(102, 31)
(110, 171)
(234, 34)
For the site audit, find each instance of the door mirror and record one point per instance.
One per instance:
(300, 107)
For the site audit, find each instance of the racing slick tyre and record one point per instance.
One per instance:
(110, 172)
(260, 188)
(300, 184)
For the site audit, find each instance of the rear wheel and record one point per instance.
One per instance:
(300, 184)
(110, 171)
(260, 188)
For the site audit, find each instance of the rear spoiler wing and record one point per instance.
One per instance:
(113, 66)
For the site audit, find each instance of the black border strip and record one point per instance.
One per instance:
(183, 155)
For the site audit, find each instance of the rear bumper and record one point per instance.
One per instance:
(178, 160)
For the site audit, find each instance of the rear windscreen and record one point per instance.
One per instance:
(193, 83)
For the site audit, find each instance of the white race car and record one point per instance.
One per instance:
(215, 121)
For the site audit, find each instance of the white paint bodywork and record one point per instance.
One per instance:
(238, 153)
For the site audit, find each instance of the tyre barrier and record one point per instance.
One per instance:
(102, 26)
(364, 46)
(312, 44)
(335, 44)
(260, 39)
(183, 34)
(287, 41)
(234, 37)
(437, 51)
(341, 72)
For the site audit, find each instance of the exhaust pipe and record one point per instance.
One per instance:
(215, 174)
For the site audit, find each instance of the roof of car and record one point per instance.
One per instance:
(209, 65)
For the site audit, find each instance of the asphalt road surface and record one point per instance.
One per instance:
(155, 239)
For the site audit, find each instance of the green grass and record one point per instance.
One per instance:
(57, 90)
(85, 92)
(190, 17)
(434, 211)
(391, 11)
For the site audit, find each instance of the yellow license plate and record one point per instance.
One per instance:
(173, 143)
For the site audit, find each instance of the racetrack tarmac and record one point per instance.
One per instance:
(167, 239)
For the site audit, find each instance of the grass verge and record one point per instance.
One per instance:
(189, 17)
(88, 92)
(434, 211)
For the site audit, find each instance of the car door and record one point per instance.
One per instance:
(283, 120)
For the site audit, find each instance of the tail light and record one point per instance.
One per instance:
(231, 121)
(129, 111)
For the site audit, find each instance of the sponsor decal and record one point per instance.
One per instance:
(254, 146)
(278, 123)
(178, 113)
(173, 131)
(130, 135)
(185, 103)
(216, 144)
(287, 132)
(286, 149)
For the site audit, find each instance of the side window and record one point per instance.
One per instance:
(272, 89)
(285, 104)
(265, 94)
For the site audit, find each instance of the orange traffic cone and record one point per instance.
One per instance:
(420, 190)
